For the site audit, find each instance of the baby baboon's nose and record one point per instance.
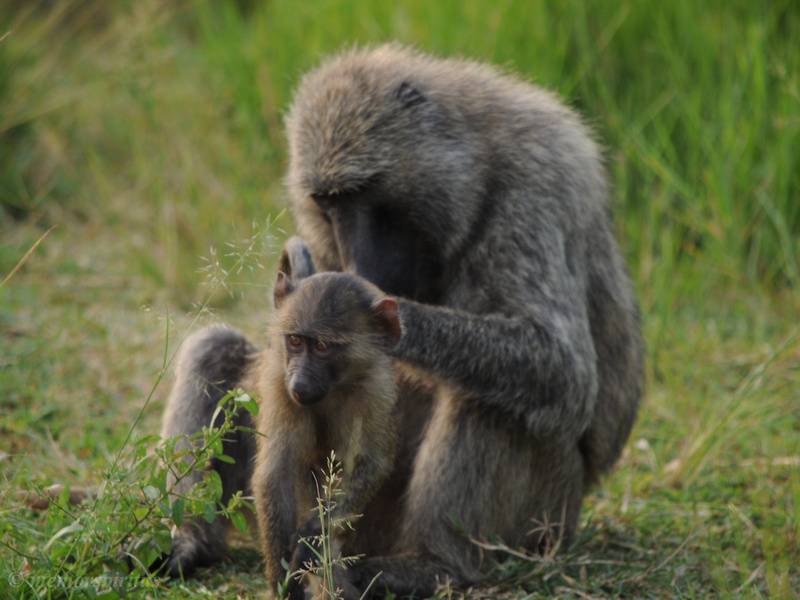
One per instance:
(305, 395)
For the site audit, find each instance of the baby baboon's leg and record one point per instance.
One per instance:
(211, 363)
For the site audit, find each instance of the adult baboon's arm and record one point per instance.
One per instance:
(542, 372)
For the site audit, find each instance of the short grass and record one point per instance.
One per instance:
(148, 134)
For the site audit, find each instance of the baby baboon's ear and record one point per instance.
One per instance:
(283, 287)
(387, 316)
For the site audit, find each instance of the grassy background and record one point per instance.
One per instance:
(149, 134)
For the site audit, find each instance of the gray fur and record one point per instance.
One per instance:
(521, 348)
(211, 362)
(534, 332)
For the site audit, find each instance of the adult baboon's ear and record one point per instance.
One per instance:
(411, 98)
(296, 259)
(283, 287)
(387, 316)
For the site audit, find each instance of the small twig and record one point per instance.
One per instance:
(779, 461)
(508, 550)
(29, 252)
(572, 590)
(662, 564)
(755, 574)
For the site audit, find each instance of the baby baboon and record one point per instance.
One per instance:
(480, 201)
(326, 382)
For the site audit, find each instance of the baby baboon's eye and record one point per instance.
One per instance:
(322, 350)
(294, 343)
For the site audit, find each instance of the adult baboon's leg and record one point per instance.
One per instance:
(475, 476)
(211, 363)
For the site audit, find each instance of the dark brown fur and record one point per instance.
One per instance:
(355, 418)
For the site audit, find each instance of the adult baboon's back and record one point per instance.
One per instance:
(480, 201)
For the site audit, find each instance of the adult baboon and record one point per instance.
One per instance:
(480, 202)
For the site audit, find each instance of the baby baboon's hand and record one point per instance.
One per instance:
(308, 546)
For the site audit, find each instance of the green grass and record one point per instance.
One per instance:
(149, 135)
